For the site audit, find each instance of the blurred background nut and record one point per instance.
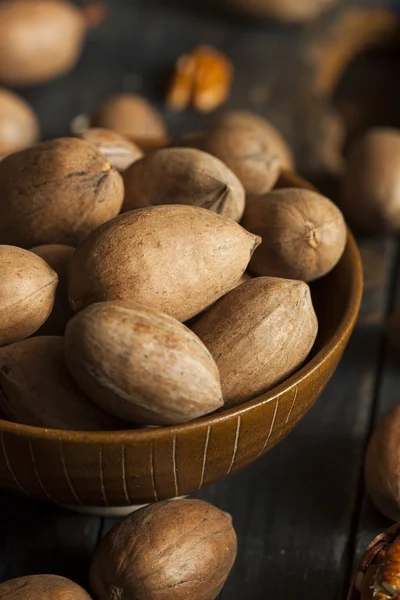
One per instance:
(284, 10)
(371, 184)
(382, 469)
(130, 115)
(19, 125)
(261, 126)
(39, 40)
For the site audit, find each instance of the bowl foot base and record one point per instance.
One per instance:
(108, 511)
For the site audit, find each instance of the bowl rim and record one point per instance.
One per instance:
(142, 435)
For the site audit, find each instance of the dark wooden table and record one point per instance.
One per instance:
(301, 512)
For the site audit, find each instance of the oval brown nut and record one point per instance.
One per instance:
(285, 10)
(180, 550)
(42, 587)
(117, 149)
(58, 258)
(304, 234)
(141, 365)
(27, 292)
(19, 125)
(248, 152)
(130, 115)
(371, 184)
(176, 259)
(259, 334)
(382, 472)
(252, 121)
(55, 193)
(39, 40)
(184, 176)
(37, 389)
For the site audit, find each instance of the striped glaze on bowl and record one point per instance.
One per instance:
(124, 468)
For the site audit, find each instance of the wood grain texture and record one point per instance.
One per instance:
(368, 521)
(39, 537)
(293, 508)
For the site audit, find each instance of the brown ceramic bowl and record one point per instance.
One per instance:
(134, 467)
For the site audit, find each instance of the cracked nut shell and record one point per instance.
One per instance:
(176, 259)
(378, 577)
(304, 234)
(180, 550)
(27, 292)
(184, 176)
(56, 192)
(259, 334)
(141, 365)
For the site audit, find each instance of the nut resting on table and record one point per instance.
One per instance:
(382, 474)
(179, 549)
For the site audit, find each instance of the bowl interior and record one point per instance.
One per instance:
(103, 469)
(336, 298)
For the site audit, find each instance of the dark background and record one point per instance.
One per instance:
(300, 512)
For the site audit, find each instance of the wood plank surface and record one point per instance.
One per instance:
(296, 509)
(370, 522)
(38, 537)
